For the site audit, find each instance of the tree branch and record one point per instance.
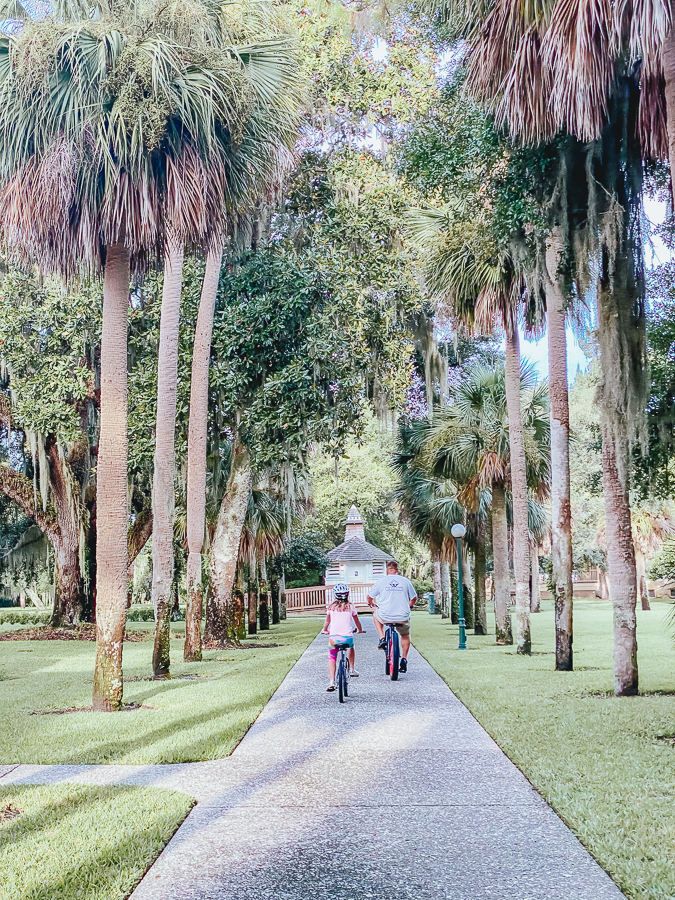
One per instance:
(19, 489)
(138, 534)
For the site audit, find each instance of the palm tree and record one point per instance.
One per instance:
(651, 526)
(269, 57)
(560, 67)
(110, 141)
(466, 269)
(428, 504)
(469, 443)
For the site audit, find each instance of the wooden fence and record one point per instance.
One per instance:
(311, 601)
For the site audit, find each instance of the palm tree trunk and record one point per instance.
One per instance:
(669, 77)
(69, 598)
(454, 595)
(111, 485)
(561, 517)
(438, 585)
(480, 625)
(621, 565)
(641, 567)
(274, 592)
(252, 606)
(225, 547)
(163, 494)
(264, 597)
(521, 531)
(535, 595)
(500, 554)
(469, 613)
(446, 591)
(196, 455)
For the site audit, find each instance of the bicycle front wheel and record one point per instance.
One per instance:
(395, 654)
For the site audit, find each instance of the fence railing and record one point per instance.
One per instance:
(312, 600)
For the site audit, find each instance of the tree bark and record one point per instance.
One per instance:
(264, 597)
(621, 565)
(252, 608)
(225, 547)
(669, 78)
(139, 535)
(535, 595)
(642, 579)
(500, 554)
(561, 510)
(163, 492)
(61, 525)
(480, 625)
(274, 590)
(521, 531)
(196, 457)
(111, 487)
(446, 590)
(438, 587)
(469, 614)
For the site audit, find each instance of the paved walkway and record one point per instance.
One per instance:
(398, 794)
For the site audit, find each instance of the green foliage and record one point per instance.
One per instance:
(25, 616)
(48, 337)
(654, 470)
(664, 563)
(303, 561)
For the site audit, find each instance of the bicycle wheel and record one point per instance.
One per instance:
(341, 678)
(387, 652)
(346, 671)
(395, 654)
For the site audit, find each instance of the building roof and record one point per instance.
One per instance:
(353, 517)
(356, 549)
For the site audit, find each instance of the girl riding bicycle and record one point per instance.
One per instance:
(341, 616)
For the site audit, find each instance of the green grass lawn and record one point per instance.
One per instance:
(594, 757)
(68, 842)
(182, 720)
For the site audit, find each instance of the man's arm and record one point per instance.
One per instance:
(411, 590)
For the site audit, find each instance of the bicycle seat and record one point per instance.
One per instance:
(341, 646)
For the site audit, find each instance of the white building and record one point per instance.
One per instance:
(356, 561)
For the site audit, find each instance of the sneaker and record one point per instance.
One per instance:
(331, 686)
(353, 673)
(403, 665)
(382, 644)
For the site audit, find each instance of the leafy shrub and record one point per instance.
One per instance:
(25, 616)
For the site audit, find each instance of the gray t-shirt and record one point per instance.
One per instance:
(393, 594)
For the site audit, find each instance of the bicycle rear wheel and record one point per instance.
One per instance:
(387, 653)
(341, 679)
(395, 654)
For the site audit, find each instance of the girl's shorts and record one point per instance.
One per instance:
(335, 639)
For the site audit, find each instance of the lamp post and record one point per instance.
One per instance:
(458, 531)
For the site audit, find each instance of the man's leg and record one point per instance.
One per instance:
(379, 627)
(405, 645)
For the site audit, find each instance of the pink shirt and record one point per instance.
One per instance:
(340, 621)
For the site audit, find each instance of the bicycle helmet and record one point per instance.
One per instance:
(340, 591)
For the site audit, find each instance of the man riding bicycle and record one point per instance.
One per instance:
(392, 597)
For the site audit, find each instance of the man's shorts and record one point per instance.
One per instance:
(403, 628)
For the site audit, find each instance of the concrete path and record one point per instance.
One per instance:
(398, 794)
